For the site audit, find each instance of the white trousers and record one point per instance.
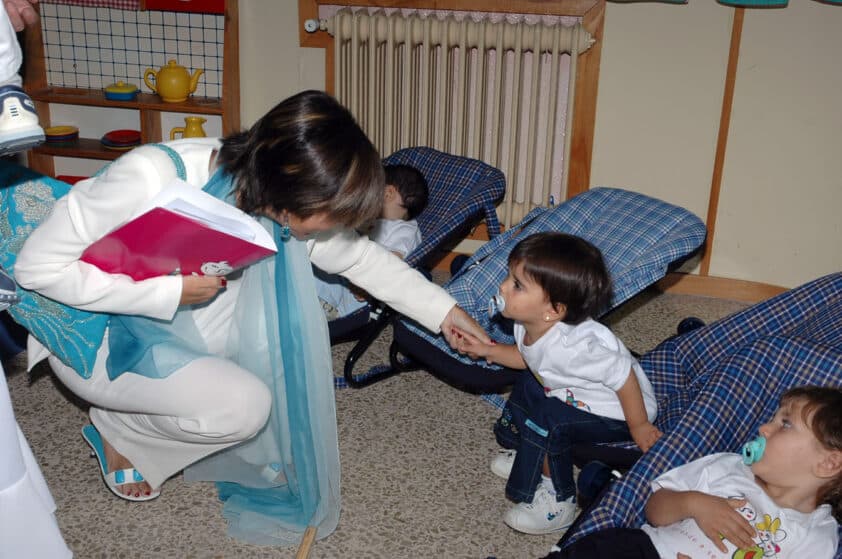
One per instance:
(164, 425)
(10, 54)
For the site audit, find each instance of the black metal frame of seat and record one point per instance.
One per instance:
(380, 316)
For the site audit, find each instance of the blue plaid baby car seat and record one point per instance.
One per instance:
(638, 235)
(463, 191)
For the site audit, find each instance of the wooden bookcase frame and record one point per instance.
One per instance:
(149, 105)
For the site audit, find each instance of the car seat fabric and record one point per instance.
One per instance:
(452, 207)
(716, 385)
(639, 237)
(463, 191)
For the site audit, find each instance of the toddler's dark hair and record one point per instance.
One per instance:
(569, 269)
(411, 185)
(822, 413)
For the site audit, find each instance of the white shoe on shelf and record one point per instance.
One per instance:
(19, 128)
(502, 462)
(544, 515)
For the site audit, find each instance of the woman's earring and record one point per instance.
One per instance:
(285, 230)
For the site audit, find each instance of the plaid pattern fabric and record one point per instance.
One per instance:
(462, 190)
(683, 365)
(715, 386)
(639, 237)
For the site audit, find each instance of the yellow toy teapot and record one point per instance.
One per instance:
(172, 82)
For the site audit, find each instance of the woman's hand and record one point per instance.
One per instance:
(198, 289)
(506, 355)
(471, 346)
(457, 319)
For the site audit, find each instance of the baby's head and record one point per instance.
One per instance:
(570, 271)
(406, 192)
(804, 444)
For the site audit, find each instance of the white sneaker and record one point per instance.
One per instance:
(19, 129)
(502, 462)
(544, 515)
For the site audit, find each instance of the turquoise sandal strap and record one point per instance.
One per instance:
(123, 477)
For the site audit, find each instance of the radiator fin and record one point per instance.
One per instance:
(499, 91)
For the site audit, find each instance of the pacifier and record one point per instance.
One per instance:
(753, 450)
(496, 305)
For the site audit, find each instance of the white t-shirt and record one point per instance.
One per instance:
(781, 532)
(584, 365)
(396, 235)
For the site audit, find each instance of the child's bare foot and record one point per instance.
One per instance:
(117, 461)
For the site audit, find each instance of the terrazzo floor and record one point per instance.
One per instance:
(414, 451)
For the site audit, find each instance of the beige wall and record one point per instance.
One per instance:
(272, 65)
(660, 94)
(782, 186)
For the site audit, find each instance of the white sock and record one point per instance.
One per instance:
(548, 484)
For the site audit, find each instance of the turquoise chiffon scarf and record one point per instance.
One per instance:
(287, 477)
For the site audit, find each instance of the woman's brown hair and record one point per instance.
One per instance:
(306, 156)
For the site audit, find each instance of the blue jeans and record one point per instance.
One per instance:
(537, 426)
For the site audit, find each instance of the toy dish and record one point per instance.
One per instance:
(61, 133)
(122, 137)
(121, 91)
(70, 179)
(106, 141)
(62, 139)
(117, 146)
(60, 130)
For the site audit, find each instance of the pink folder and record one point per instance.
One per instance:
(162, 242)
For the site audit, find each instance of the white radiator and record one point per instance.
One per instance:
(468, 85)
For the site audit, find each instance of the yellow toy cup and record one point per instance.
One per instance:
(192, 128)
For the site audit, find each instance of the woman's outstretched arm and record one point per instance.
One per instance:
(389, 279)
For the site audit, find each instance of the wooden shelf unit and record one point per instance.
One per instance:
(149, 105)
(144, 101)
(87, 148)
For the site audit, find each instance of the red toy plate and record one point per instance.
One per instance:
(122, 137)
(115, 146)
(70, 179)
